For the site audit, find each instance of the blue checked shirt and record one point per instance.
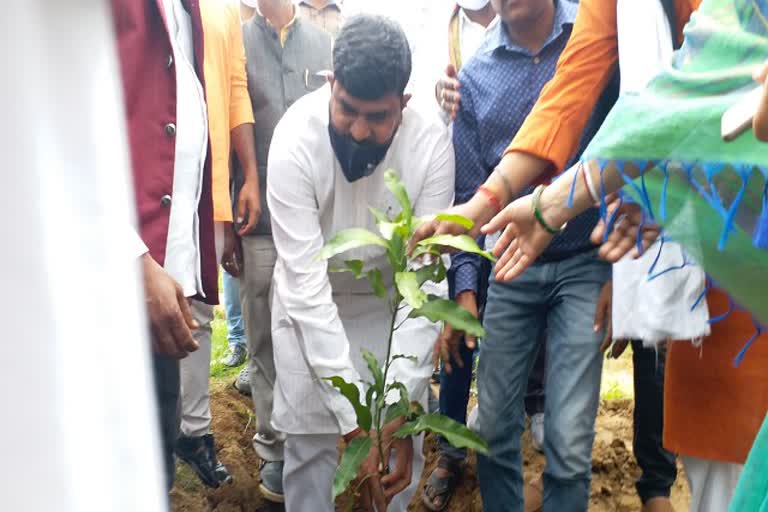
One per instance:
(499, 87)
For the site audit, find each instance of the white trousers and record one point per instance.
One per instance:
(712, 483)
(195, 372)
(310, 464)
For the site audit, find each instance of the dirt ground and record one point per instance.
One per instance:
(613, 475)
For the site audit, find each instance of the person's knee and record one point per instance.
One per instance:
(568, 447)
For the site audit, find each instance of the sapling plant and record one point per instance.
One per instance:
(410, 272)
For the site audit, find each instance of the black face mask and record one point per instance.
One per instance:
(357, 159)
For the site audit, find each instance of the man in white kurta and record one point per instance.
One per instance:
(326, 167)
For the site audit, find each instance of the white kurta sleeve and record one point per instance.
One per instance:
(417, 336)
(303, 287)
(137, 245)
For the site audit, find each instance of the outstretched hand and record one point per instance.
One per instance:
(522, 241)
(472, 210)
(622, 240)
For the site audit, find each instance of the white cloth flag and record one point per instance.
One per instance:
(648, 306)
(80, 433)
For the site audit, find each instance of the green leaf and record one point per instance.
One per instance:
(401, 407)
(387, 229)
(369, 395)
(454, 432)
(379, 215)
(354, 455)
(461, 242)
(457, 219)
(393, 183)
(354, 266)
(352, 394)
(442, 310)
(435, 272)
(376, 281)
(375, 369)
(412, 359)
(409, 287)
(415, 410)
(349, 239)
(426, 249)
(396, 253)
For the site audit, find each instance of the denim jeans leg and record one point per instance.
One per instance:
(454, 397)
(534, 394)
(659, 468)
(574, 366)
(513, 321)
(235, 326)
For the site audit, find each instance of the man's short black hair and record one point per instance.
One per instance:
(371, 57)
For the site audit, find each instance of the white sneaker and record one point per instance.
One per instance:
(537, 431)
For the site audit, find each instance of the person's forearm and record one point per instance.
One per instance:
(554, 199)
(515, 172)
(245, 149)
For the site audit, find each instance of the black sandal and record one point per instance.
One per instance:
(442, 487)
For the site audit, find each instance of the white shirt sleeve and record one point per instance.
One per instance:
(416, 337)
(302, 285)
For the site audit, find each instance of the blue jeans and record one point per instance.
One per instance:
(561, 296)
(235, 326)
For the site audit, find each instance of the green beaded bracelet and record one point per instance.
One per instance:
(539, 217)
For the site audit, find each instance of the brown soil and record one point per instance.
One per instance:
(613, 475)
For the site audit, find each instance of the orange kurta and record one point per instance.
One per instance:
(711, 409)
(554, 127)
(229, 104)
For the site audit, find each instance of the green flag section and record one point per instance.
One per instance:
(709, 195)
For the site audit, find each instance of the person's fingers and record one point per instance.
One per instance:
(497, 223)
(186, 310)
(377, 493)
(445, 354)
(504, 257)
(450, 70)
(365, 498)
(454, 348)
(509, 259)
(604, 344)
(600, 313)
(436, 353)
(400, 481)
(451, 97)
(471, 342)
(166, 345)
(523, 262)
(615, 251)
(597, 234)
(423, 232)
(183, 325)
(618, 348)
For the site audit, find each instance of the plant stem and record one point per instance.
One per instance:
(395, 303)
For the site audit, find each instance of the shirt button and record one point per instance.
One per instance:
(536, 59)
(170, 129)
(165, 201)
(169, 62)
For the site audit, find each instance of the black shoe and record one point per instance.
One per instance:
(200, 454)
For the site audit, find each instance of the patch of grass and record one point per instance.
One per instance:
(617, 382)
(220, 348)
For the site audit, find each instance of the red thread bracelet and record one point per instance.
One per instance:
(491, 197)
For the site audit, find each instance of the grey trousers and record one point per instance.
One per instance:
(195, 376)
(310, 465)
(259, 258)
